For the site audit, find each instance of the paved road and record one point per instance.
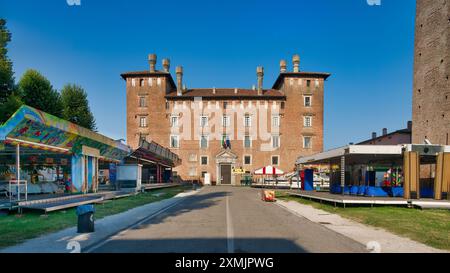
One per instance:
(228, 220)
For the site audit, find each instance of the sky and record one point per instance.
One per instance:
(368, 49)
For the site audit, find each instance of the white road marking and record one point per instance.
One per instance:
(230, 232)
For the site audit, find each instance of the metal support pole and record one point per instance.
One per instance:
(18, 170)
(342, 173)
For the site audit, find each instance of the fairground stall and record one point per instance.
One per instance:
(43, 154)
(385, 170)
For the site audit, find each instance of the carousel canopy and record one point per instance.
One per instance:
(269, 170)
(35, 129)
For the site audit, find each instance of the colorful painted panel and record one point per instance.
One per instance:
(31, 125)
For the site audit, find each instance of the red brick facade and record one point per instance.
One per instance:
(160, 110)
(431, 94)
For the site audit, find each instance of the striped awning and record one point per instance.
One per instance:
(269, 170)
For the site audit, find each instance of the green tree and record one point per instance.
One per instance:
(37, 92)
(9, 107)
(76, 106)
(6, 71)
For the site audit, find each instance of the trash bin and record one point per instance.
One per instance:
(85, 218)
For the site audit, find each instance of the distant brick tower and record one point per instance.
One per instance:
(431, 95)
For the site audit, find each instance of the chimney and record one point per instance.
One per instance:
(296, 62)
(409, 125)
(374, 135)
(166, 65)
(152, 62)
(260, 74)
(235, 90)
(179, 72)
(384, 131)
(282, 66)
(214, 90)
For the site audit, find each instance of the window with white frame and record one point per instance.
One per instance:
(316, 83)
(142, 122)
(275, 160)
(150, 82)
(307, 121)
(133, 82)
(247, 159)
(142, 102)
(247, 120)
(174, 141)
(307, 142)
(247, 141)
(203, 121)
(174, 121)
(158, 81)
(276, 121)
(204, 160)
(203, 141)
(275, 141)
(225, 121)
(307, 100)
(193, 172)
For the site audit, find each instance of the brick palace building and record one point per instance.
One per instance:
(214, 130)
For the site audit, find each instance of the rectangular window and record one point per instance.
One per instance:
(307, 121)
(307, 100)
(275, 160)
(308, 83)
(141, 82)
(225, 121)
(158, 81)
(192, 157)
(204, 142)
(316, 82)
(174, 141)
(203, 121)
(247, 160)
(133, 82)
(203, 174)
(282, 105)
(167, 105)
(225, 105)
(143, 136)
(204, 160)
(247, 121)
(174, 121)
(247, 142)
(307, 142)
(142, 102)
(275, 141)
(193, 172)
(276, 121)
(143, 122)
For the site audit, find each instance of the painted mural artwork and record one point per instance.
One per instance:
(32, 125)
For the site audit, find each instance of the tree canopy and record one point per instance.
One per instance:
(37, 92)
(76, 106)
(6, 71)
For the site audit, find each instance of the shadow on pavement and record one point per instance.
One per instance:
(201, 245)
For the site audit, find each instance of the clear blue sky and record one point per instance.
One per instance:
(368, 49)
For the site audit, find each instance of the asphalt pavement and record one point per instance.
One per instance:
(225, 219)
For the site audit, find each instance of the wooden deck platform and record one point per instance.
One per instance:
(49, 202)
(371, 201)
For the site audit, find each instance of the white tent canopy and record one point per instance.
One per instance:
(269, 170)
